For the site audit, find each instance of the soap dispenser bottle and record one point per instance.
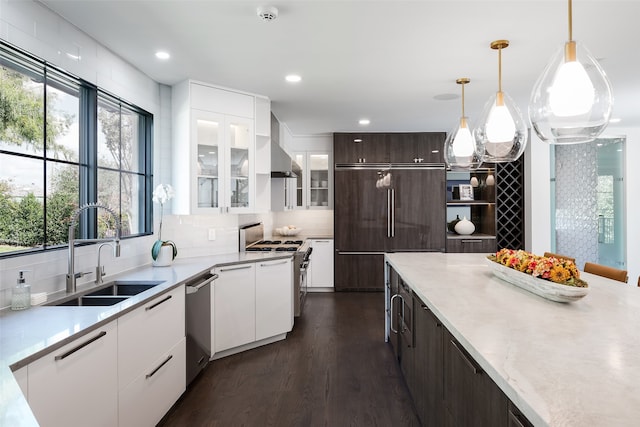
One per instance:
(21, 295)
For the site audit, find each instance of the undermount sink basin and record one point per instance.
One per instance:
(126, 287)
(109, 294)
(92, 301)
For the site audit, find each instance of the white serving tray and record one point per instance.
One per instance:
(544, 288)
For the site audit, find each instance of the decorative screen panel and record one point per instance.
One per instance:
(510, 205)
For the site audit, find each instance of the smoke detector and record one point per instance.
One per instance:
(268, 13)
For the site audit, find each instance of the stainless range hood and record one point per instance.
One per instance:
(280, 162)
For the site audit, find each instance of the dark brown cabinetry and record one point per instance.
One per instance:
(448, 387)
(470, 244)
(406, 214)
(419, 147)
(358, 271)
(471, 397)
(403, 147)
(428, 393)
(360, 148)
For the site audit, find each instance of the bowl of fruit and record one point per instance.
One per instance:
(288, 230)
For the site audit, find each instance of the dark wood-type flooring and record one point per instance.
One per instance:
(334, 369)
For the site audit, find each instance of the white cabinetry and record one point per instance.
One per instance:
(77, 385)
(263, 154)
(214, 149)
(274, 298)
(320, 271)
(315, 180)
(151, 359)
(234, 316)
(252, 305)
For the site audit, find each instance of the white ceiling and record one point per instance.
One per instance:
(388, 61)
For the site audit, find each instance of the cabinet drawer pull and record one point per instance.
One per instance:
(471, 241)
(152, 306)
(466, 359)
(152, 373)
(274, 263)
(515, 419)
(322, 241)
(242, 267)
(81, 346)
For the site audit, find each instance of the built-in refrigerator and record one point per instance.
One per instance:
(385, 208)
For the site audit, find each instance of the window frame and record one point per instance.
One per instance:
(88, 96)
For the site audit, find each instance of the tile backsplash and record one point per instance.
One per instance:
(194, 235)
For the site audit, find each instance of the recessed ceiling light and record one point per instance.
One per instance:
(293, 78)
(357, 140)
(364, 122)
(162, 55)
(435, 151)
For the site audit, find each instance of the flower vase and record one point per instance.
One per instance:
(165, 257)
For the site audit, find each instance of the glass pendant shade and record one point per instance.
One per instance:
(501, 135)
(459, 148)
(571, 102)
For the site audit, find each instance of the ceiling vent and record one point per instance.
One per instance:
(268, 13)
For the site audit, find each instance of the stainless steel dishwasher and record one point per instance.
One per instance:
(198, 323)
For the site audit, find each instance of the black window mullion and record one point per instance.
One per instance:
(88, 159)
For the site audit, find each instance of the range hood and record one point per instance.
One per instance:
(280, 162)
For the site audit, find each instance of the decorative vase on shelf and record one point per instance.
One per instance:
(465, 227)
(452, 225)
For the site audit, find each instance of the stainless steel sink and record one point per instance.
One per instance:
(109, 294)
(125, 287)
(92, 301)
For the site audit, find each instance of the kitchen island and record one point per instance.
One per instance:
(561, 364)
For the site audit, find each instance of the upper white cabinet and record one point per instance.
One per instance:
(214, 149)
(315, 180)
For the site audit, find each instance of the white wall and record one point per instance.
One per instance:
(35, 29)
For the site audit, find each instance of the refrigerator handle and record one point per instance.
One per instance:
(388, 212)
(393, 212)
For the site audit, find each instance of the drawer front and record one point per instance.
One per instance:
(471, 245)
(150, 396)
(148, 332)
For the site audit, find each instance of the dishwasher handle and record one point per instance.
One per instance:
(192, 289)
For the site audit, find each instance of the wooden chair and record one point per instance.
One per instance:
(606, 271)
(568, 258)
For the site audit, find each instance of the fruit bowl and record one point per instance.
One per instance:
(288, 231)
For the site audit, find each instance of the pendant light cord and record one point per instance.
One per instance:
(462, 99)
(570, 21)
(500, 69)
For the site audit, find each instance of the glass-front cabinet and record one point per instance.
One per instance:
(208, 132)
(240, 155)
(313, 184)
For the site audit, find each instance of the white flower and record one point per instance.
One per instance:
(163, 193)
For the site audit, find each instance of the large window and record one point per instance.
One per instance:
(64, 143)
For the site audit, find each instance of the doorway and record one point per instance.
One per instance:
(588, 201)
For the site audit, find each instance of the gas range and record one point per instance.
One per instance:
(274, 245)
(252, 240)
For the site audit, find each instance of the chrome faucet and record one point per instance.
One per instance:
(100, 268)
(71, 273)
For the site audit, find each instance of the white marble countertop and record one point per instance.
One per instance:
(575, 364)
(29, 334)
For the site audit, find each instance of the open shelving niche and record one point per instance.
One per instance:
(481, 211)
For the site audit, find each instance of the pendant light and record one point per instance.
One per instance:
(459, 147)
(501, 135)
(571, 101)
